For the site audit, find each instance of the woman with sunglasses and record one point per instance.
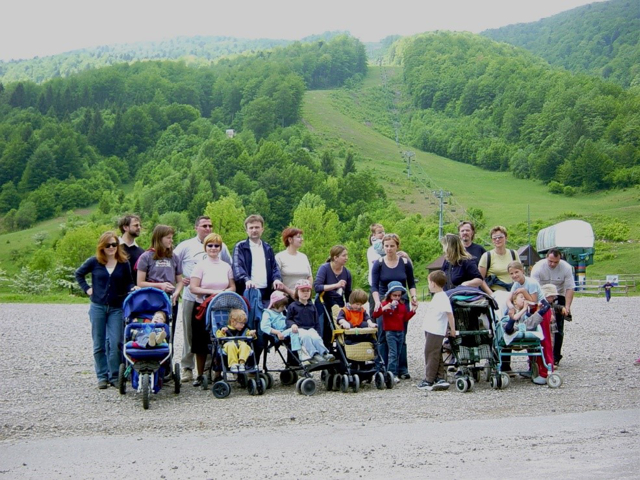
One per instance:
(111, 281)
(209, 277)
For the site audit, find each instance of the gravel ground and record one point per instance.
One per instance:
(54, 422)
(49, 387)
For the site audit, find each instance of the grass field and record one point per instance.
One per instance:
(504, 199)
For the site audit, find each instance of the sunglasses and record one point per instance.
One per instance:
(213, 245)
(111, 245)
(497, 238)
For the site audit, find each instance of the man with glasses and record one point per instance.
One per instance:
(558, 272)
(467, 232)
(188, 254)
(130, 227)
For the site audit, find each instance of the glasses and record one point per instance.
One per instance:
(213, 245)
(498, 237)
(206, 226)
(111, 245)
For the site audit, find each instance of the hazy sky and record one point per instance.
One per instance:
(45, 27)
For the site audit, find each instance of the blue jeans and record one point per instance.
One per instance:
(107, 330)
(395, 340)
(383, 349)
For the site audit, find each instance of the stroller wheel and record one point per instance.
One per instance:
(337, 381)
(344, 385)
(308, 387)
(252, 386)
(327, 381)
(262, 385)
(388, 380)
(378, 380)
(356, 383)
(221, 389)
(268, 379)
(176, 378)
(323, 375)
(299, 384)
(122, 380)
(288, 377)
(554, 380)
(146, 391)
(462, 384)
(205, 382)
(472, 384)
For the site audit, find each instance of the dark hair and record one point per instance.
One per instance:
(439, 278)
(289, 233)
(108, 237)
(200, 218)
(283, 302)
(336, 251)
(159, 233)
(466, 222)
(555, 252)
(126, 221)
(358, 296)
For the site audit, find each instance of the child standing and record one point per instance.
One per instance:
(395, 314)
(237, 351)
(302, 318)
(439, 315)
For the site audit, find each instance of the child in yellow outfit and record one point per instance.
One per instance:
(237, 351)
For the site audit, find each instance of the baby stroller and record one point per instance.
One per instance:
(360, 362)
(474, 315)
(522, 343)
(147, 367)
(217, 317)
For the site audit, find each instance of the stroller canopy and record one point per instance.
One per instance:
(143, 303)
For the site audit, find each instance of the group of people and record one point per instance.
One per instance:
(203, 266)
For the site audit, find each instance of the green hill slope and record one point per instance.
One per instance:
(350, 121)
(600, 39)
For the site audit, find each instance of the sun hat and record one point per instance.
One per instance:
(395, 287)
(276, 296)
(303, 284)
(550, 290)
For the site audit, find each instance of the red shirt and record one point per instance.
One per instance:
(393, 320)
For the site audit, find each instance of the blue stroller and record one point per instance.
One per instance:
(217, 317)
(147, 366)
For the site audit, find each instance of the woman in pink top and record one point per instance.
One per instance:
(209, 277)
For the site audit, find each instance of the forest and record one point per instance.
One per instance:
(502, 108)
(600, 39)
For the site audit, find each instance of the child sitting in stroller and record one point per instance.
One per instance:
(237, 351)
(302, 318)
(275, 323)
(149, 336)
(529, 314)
(353, 315)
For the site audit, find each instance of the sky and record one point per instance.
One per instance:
(45, 27)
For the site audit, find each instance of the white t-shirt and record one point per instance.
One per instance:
(561, 276)
(258, 265)
(436, 319)
(293, 267)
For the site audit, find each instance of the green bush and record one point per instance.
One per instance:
(556, 187)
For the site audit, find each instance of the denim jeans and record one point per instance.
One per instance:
(383, 349)
(395, 340)
(107, 330)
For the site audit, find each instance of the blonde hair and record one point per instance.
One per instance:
(516, 265)
(237, 315)
(454, 250)
(212, 238)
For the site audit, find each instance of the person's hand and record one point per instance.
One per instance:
(90, 291)
(341, 284)
(376, 305)
(372, 325)
(280, 336)
(249, 284)
(186, 281)
(251, 333)
(224, 330)
(414, 303)
(174, 298)
(278, 285)
(294, 329)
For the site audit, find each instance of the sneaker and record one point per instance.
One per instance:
(187, 376)
(103, 384)
(317, 358)
(440, 384)
(198, 381)
(525, 374)
(152, 339)
(539, 380)
(424, 385)
(241, 368)
(405, 376)
(329, 357)
(234, 368)
(396, 380)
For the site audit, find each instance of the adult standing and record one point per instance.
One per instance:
(130, 227)
(553, 270)
(111, 281)
(467, 233)
(393, 268)
(494, 268)
(188, 254)
(333, 280)
(210, 276)
(459, 266)
(292, 263)
(254, 263)
(158, 268)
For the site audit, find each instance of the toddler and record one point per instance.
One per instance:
(150, 336)
(237, 351)
(395, 314)
(302, 319)
(275, 323)
(353, 315)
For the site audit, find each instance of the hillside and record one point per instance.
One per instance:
(600, 39)
(196, 50)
